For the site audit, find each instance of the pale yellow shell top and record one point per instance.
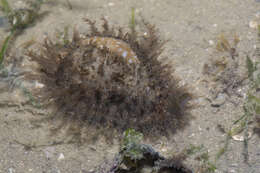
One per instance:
(115, 46)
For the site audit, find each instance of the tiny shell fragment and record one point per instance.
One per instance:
(253, 24)
(61, 157)
(241, 137)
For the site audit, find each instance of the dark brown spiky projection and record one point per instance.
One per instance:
(93, 88)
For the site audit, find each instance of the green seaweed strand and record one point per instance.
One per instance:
(6, 7)
(132, 20)
(7, 10)
(4, 47)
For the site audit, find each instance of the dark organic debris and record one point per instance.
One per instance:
(134, 157)
(95, 89)
(223, 71)
(19, 20)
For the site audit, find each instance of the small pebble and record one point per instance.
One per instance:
(257, 14)
(146, 169)
(49, 152)
(211, 42)
(232, 171)
(38, 84)
(219, 101)
(111, 4)
(253, 24)
(61, 157)
(191, 135)
(164, 149)
(11, 170)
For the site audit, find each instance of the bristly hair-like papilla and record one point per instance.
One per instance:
(93, 88)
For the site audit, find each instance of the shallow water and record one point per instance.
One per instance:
(191, 26)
